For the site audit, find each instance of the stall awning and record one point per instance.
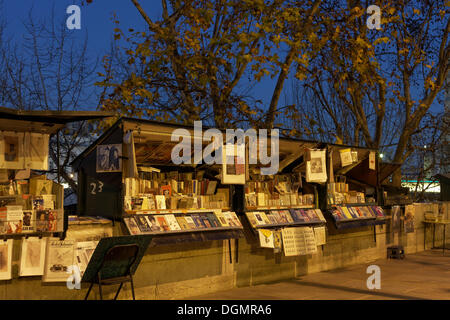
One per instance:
(44, 121)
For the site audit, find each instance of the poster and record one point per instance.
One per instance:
(316, 166)
(36, 151)
(320, 235)
(11, 150)
(5, 259)
(372, 160)
(346, 157)
(109, 158)
(32, 257)
(233, 164)
(409, 218)
(266, 238)
(298, 241)
(396, 215)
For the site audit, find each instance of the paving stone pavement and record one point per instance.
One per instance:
(424, 275)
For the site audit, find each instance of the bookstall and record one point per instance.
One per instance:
(281, 209)
(128, 175)
(31, 205)
(351, 195)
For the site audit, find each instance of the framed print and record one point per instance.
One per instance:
(109, 158)
(32, 257)
(5, 259)
(233, 164)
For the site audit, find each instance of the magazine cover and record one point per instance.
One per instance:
(142, 223)
(131, 225)
(221, 218)
(190, 222)
(83, 254)
(213, 220)
(182, 223)
(205, 221)
(172, 222)
(32, 258)
(199, 223)
(14, 219)
(251, 218)
(59, 257)
(163, 223)
(28, 221)
(153, 223)
(42, 218)
(266, 238)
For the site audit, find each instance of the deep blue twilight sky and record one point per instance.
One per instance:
(96, 21)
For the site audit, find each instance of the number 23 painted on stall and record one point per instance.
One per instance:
(96, 187)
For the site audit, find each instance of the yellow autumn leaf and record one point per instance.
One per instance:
(382, 39)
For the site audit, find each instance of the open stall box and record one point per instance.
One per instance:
(129, 175)
(352, 194)
(282, 208)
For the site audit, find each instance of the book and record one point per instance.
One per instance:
(198, 221)
(221, 218)
(182, 223)
(14, 219)
(232, 219)
(258, 218)
(163, 223)
(211, 189)
(271, 218)
(53, 217)
(190, 222)
(153, 223)
(286, 216)
(251, 218)
(346, 212)
(320, 215)
(172, 222)
(296, 215)
(305, 216)
(131, 225)
(205, 220)
(160, 201)
(166, 190)
(276, 216)
(142, 223)
(213, 220)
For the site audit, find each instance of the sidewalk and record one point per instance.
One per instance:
(424, 275)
